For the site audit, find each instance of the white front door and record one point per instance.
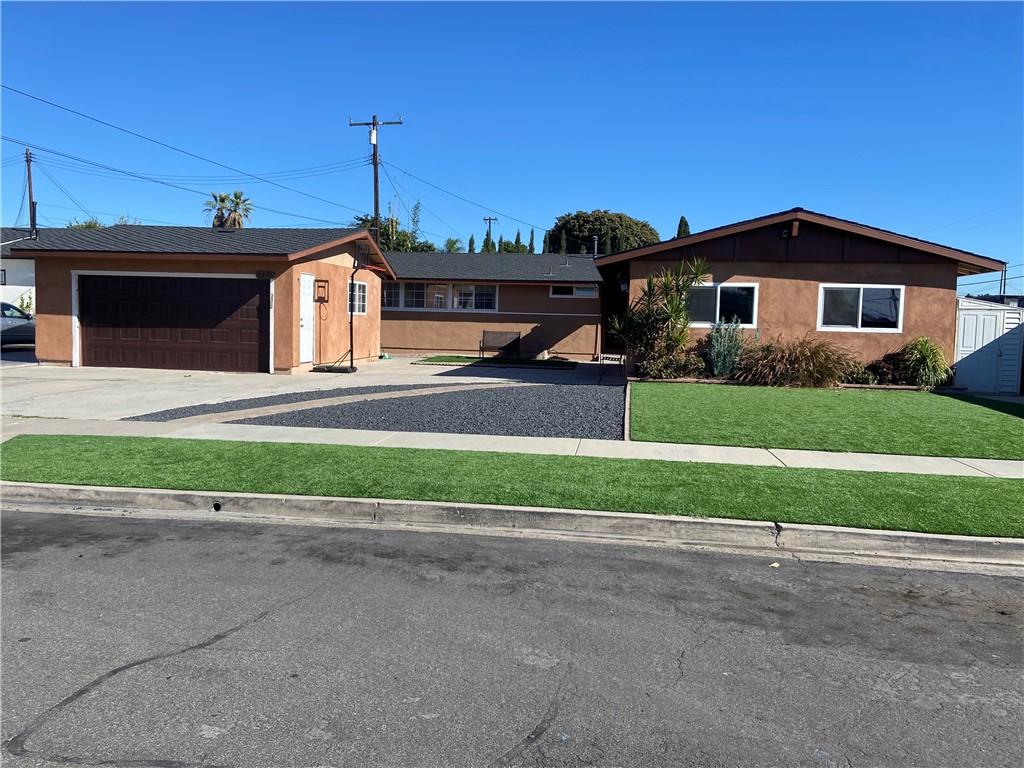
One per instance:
(307, 315)
(977, 349)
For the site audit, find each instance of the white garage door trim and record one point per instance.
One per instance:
(76, 325)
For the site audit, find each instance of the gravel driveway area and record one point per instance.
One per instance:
(261, 402)
(545, 410)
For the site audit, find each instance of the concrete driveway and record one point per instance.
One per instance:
(117, 393)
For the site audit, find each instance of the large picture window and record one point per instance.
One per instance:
(709, 304)
(440, 296)
(873, 308)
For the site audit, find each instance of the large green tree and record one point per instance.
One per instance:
(577, 231)
(683, 230)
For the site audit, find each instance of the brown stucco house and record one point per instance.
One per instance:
(444, 302)
(797, 272)
(202, 298)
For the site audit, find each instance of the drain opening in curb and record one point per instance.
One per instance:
(216, 506)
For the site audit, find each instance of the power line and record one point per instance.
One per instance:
(157, 181)
(386, 173)
(181, 151)
(979, 226)
(406, 207)
(994, 280)
(67, 194)
(971, 218)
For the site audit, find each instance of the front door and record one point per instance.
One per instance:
(307, 315)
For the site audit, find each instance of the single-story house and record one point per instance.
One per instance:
(797, 272)
(444, 302)
(203, 298)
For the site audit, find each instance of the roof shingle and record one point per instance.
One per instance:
(494, 267)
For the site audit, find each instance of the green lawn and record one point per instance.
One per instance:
(932, 504)
(858, 420)
(498, 362)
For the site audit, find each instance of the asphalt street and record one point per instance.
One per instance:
(165, 643)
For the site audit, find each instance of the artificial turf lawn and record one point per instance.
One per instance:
(927, 503)
(498, 362)
(857, 420)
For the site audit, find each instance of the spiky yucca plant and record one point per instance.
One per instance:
(923, 363)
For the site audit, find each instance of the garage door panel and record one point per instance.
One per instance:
(220, 324)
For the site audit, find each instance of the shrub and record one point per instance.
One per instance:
(807, 362)
(886, 370)
(861, 376)
(725, 345)
(923, 363)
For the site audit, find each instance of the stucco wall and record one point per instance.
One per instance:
(788, 298)
(561, 326)
(54, 326)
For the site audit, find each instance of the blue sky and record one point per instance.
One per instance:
(905, 116)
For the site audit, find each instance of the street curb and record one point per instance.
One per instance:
(762, 536)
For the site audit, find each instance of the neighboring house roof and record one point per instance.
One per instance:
(136, 238)
(14, 236)
(968, 263)
(494, 267)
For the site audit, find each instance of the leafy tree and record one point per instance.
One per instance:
(92, 223)
(579, 229)
(546, 246)
(530, 247)
(393, 237)
(239, 210)
(563, 242)
(684, 227)
(608, 241)
(453, 245)
(656, 327)
(472, 244)
(127, 220)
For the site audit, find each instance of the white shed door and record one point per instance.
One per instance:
(977, 350)
(307, 313)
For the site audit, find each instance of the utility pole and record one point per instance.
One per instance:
(373, 125)
(31, 200)
(489, 220)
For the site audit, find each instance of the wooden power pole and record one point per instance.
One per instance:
(373, 125)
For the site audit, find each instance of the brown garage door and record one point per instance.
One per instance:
(189, 323)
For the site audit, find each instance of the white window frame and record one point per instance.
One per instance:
(575, 291)
(449, 298)
(357, 285)
(860, 308)
(718, 302)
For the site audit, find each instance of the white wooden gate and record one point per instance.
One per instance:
(989, 341)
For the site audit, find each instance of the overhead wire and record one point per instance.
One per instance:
(406, 207)
(172, 185)
(68, 195)
(971, 218)
(177, 149)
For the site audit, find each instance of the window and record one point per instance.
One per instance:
(440, 296)
(574, 291)
(873, 308)
(391, 295)
(357, 298)
(709, 304)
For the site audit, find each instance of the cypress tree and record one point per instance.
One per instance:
(563, 244)
(472, 244)
(530, 247)
(608, 240)
(546, 246)
(684, 227)
(501, 244)
(518, 244)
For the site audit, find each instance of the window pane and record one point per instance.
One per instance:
(486, 296)
(702, 305)
(586, 291)
(561, 290)
(361, 298)
(436, 295)
(390, 295)
(880, 308)
(414, 295)
(462, 297)
(738, 302)
(840, 307)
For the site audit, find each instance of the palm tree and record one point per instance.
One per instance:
(239, 209)
(453, 245)
(216, 207)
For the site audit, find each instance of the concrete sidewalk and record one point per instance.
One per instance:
(775, 457)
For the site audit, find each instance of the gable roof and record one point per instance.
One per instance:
(967, 263)
(494, 267)
(136, 238)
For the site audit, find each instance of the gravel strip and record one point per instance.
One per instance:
(549, 410)
(260, 402)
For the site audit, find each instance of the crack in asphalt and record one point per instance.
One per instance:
(541, 728)
(16, 744)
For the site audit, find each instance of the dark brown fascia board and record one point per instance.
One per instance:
(979, 264)
(154, 256)
(358, 236)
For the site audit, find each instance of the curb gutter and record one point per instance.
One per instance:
(765, 536)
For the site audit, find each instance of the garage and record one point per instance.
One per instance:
(174, 322)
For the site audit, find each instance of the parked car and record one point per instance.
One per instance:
(16, 326)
